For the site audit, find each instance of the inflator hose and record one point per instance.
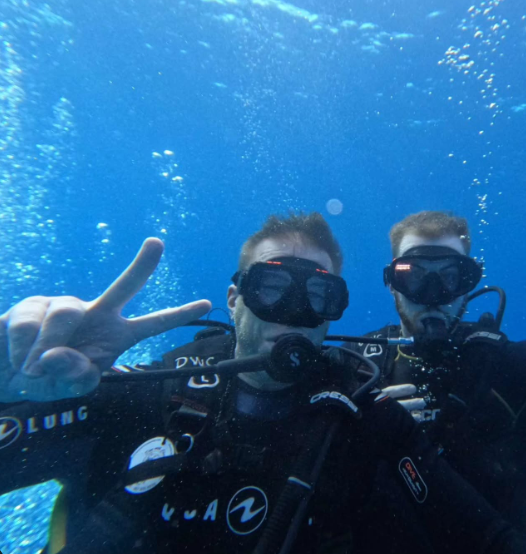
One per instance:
(283, 524)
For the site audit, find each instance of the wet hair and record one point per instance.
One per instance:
(430, 225)
(311, 229)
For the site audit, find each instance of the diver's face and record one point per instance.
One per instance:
(255, 336)
(411, 314)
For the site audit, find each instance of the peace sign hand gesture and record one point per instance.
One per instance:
(57, 347)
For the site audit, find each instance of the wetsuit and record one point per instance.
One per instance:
(485, 441)
(242, 444)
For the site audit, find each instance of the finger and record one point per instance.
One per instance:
(165, 320)
(413, 404)
(60, 373)
(399, 391)
(133, 278)
(63, 317)
(25, 321)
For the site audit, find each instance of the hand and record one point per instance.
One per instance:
(480, 355)
(57, 347)
(490, 338)
(386, 426)
(346, 382)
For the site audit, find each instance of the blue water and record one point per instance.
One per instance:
(193, 120)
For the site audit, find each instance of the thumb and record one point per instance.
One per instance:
(65, 373)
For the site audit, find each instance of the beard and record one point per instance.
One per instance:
(407, 321)
(411, 315)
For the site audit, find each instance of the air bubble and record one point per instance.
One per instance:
(334, 206)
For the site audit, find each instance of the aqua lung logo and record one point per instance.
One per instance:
(10, 429)
(56, 420)
(247, 510)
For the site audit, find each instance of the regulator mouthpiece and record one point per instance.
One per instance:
(434, 339)
(291, 358)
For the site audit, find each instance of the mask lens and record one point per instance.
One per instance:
(294, 292)
(318, 293)
(450, 277)
(409, 275)
(327, 295)
(273, 285)
(434, 280)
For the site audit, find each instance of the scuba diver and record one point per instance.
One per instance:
(464, 381)
(258, 440)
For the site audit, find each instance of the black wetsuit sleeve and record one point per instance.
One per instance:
(457, 517)
(40, 441)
